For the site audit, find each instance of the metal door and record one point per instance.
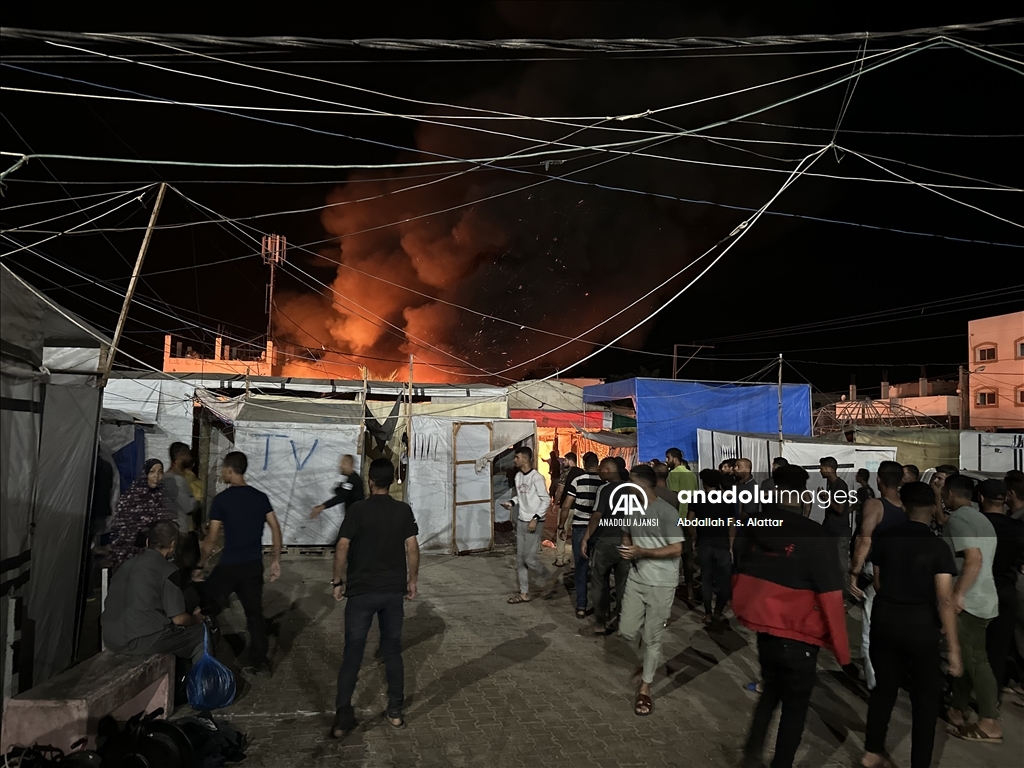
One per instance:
(473, 492)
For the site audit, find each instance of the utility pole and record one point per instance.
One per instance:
(780, 404)
(675, 355)
(131, 285)
(275, 250)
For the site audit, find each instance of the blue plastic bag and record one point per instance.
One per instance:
(210, 684)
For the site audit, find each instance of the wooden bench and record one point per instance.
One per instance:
(69, 707)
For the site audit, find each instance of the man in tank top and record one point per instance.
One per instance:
(879, 515)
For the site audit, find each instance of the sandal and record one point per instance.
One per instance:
(580, 613)
(517, 599)
(971, 732)
(643, 701)
(388, 720)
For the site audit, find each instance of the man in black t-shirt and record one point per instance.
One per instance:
(600, 545)
(379, 554)
(242, 511)
(913, 573)
(1006, 566)
(837, 515)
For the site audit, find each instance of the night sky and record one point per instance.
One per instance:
(834, 298)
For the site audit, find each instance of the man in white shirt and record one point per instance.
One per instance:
(532, 501)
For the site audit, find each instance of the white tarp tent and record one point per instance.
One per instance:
(991, 451)
(453, 489)
(714, 447)
(49, 361)
(293, 446)
(164, 405)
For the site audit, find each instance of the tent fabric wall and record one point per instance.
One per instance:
(166, 405)
(20, 425)
(593, 419)
(924, 448)
(431, 471)
(430, 481)
(761, 449)
(67, 461)
(669, 412)
(991, 451)
(545, 395)
(296, 465)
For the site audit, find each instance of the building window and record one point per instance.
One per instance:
(986, 354)
(1019, 344)
(1020, 396)
(985, 398)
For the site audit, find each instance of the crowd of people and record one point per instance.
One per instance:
(935, 568)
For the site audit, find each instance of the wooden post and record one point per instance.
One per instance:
(780, 405)
(131, 285)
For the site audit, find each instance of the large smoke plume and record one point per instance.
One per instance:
(558, 256)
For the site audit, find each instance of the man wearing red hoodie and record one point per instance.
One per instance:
(788, 588)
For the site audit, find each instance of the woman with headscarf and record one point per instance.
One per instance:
(144, 505)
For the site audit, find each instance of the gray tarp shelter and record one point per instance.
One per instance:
(49, 417)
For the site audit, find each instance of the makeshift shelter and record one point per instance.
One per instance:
(669, 412)
(49, 417)
(459, 476)
(715, 446)
(923, 448)
(560, 413)
(164, 403)
(991, 451)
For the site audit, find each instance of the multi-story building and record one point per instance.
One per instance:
(996, 372)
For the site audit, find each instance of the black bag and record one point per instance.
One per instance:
(214, 744)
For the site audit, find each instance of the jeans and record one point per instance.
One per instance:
(389, 608)
(246, 581)
(581, 565)
(527, 554)
(844, 562)
(716, 576)
(686, 563)
(645, 609)
(977, 674)
(905, 649)
(999, 635)
(563, 546)
(605, 562)
(788, 673)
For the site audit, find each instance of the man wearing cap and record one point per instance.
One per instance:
(1005, 566)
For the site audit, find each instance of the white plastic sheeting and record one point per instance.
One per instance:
(164, 405)
(296, 465)
(714, 447)
(433, 477)
(991, 451)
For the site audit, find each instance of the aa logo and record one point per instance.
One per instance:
(628, 498)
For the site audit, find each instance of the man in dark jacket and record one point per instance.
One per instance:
(347, 492)
(789, 590)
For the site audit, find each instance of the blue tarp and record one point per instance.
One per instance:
(131, 460)
(669, 412)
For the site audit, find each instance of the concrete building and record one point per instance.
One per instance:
(996, 372)
(240, 360)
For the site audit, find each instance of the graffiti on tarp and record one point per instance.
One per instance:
(299, 464)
